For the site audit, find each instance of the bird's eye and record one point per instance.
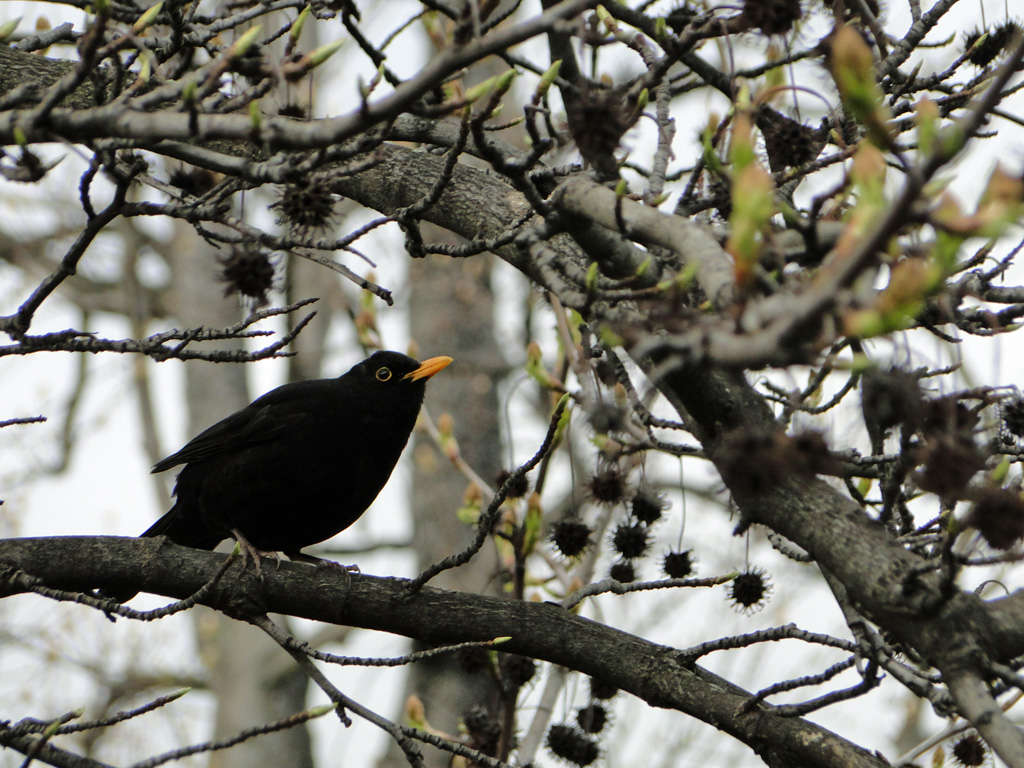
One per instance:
(383, 374)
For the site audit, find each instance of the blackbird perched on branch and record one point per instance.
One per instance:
(298, 465)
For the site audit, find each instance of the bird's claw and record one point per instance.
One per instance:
(250, 552)
(301, 557)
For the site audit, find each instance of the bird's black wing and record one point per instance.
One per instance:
(261, 422)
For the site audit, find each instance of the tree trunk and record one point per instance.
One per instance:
(249, 680)
(451, 300)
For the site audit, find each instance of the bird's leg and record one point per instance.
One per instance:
(301, 557)
(256, 555)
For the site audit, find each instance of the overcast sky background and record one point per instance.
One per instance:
(107, 488)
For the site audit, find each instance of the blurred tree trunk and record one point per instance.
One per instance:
(250, 683)
(303, 280)
(451, 300)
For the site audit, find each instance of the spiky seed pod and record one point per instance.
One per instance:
(572, 745)
(518, 489)
(679, 565)
(679, 17)
(473, 659)
(518, 670)
(772, 17)
(247, 271)
(305, 206)
(788, 143)
(949, 464)
(32, 167)
(600, 690)
(948, 416)
(623, 572)
(749, 591)
(631, 541)
(888, 399)
(998, 40)
(998, 514)
(970, 751)
(608, 486)
(598, 117)
(597, 120)
(592, 718)
(571, 537)
(195, 181)
(647, 505)
(483, 729)
(605, 417)
(749, 459)
(28, 167)
(811, 455)
(1012, 413)
(803, 453)
(757, 459)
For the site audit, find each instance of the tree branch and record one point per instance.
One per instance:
(655, 673)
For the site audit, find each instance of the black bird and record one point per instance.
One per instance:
(301, 463)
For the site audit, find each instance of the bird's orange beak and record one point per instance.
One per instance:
(428, 368)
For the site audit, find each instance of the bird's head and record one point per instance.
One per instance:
(394, 367)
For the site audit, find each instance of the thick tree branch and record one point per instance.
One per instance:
(119, 120)
(657, 674)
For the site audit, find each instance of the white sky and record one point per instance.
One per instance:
(107, 488)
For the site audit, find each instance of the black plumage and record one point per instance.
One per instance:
(301, 463)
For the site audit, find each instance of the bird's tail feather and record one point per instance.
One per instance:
(177, 530)
(183, 532)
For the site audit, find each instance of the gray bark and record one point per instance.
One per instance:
(451, 300)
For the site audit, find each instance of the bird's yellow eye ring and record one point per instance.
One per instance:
(383, 374)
